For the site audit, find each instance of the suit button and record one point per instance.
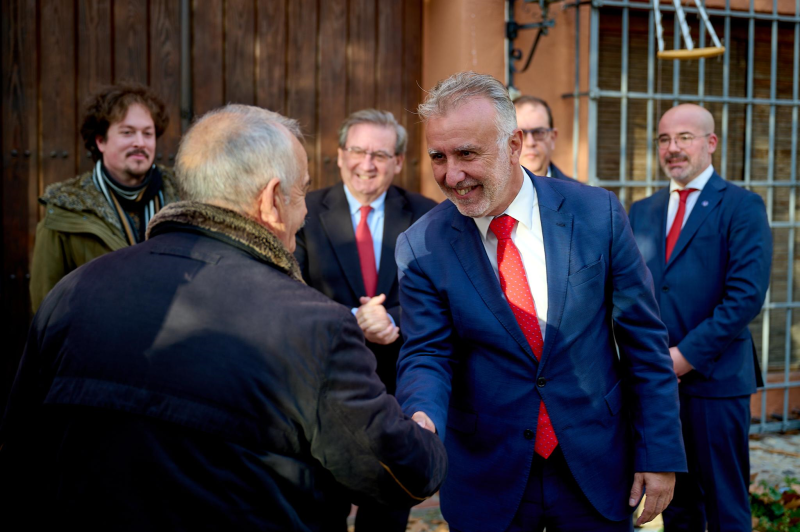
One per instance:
(665, 288)
(528, 434)
(540, 382)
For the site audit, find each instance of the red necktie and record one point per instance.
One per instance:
(514, 283)
(366, 253)
(675, 230)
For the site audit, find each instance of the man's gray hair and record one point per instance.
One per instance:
(463, 87)
(231, 153)
(378, 118)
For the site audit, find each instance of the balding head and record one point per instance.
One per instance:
(686, 142)
(230, 154)
(691, 113)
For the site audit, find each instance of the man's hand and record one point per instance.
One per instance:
(424, 421)
(679, 362)
(374, 321)
(659, 487)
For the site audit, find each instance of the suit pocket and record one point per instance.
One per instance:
(461, 421)
(587, 273)
(614, 399)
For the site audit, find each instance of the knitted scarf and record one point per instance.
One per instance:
(135, 206)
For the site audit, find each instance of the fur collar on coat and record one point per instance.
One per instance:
(257, 239)
(80, 195)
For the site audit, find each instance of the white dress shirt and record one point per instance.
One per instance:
(527, 236)
(674, 198)
(374, 221)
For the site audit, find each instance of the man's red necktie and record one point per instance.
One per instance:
(366, 253)
(514, 283)
(675, 230)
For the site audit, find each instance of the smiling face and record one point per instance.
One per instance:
(365, 177)
(129, 146)
(477, 175)
(685, 163)
(536, 154)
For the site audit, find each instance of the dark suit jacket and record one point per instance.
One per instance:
(328, 256)
(466, 363)
(714, 283)
(556, 172)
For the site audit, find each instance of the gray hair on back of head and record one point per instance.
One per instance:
(378, 118)
(231, 153)
(463, 87)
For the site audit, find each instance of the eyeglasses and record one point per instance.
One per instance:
(358, 154)
(684, 140)
(540, 133)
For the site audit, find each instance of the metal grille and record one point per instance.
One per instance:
(753, 93)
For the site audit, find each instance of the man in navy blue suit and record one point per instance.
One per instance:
(709, 247)
(533, 343)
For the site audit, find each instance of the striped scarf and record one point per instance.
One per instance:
(143, 201)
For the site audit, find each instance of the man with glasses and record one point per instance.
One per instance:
(539, 136)
(346, 249)
(708, 245)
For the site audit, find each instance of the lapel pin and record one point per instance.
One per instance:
(705, 204)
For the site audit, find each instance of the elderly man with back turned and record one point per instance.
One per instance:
(709, 247)
(532, 338)
(539, 136)
(194, 382)
(108, 208)
(346, 250)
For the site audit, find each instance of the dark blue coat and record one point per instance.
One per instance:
(466, 363)
(189, 383)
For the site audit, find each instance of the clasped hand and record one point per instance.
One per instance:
(375, 322)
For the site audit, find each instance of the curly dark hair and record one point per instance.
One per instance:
(110, 104)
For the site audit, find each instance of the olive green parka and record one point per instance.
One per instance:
(78, 226)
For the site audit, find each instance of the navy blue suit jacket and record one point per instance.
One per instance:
(556, 172)
(714, 283)
(466, 363)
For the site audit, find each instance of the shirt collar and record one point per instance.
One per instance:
(521, 209)
(698, 182)
(355, 205)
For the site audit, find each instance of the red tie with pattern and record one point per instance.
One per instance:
(675, 230)
(366, 253)
(514, 283)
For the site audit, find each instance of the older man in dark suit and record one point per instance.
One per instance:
(346, 249)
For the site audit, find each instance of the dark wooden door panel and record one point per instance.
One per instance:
(208, 80)
(58, 99)
(332, 86)
(131, 40)
(271, 61)
(94, 61)
(165, 71)
(20, 182)
(240, 53)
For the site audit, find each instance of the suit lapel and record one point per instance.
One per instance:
(397, 218)
(557, 235)
(658, 216)
(709, 198)
(469, 249)
(338, 225)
